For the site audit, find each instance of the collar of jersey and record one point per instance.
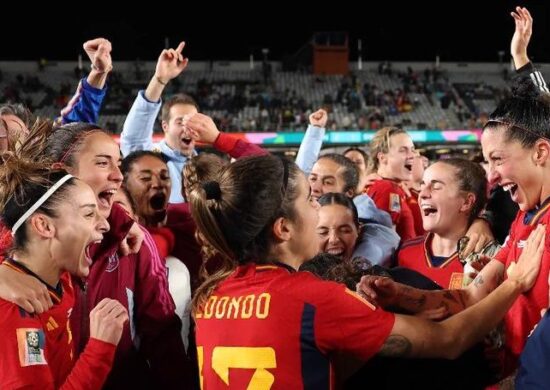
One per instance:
(56, 293)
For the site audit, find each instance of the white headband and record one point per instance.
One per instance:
(39, 203)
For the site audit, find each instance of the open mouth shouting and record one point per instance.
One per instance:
(106, 198)
(512, 188)
(87, 258)
(428, 209)
(158, 201)
(336, 250)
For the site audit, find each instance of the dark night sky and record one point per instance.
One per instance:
(457, 30)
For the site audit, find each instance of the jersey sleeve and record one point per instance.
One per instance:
(22, 361)
(345, 322)
(386, 199)
(92, 367)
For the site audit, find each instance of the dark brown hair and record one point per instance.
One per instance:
(525, 115)
(236, 215)
(471, 178)
(66, 141)
(180, 98)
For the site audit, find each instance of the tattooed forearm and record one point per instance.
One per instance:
(461, 297)
(396, 346)
(455, 298)
(412, 299)
(447, 294)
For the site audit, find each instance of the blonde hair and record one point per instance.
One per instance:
(380, 143)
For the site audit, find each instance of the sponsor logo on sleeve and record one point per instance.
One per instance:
(395, 203)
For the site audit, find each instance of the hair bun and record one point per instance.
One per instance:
(525, 88)
(212, 190)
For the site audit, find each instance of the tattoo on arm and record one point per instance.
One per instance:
(457, 298)
(447, 295)
(478, 281)
(445, 306)
(410, 299)
(461, 297)
(396, 346)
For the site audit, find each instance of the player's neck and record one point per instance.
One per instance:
(445, 244)
(41, 264)
(386, 173)
(281, 253)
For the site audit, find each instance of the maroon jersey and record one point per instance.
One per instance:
(151, 349)
(525, 313)
(417, 254)
(37, 349)
(388, 196)
(268, 327)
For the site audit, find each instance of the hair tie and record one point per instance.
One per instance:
(213, 190)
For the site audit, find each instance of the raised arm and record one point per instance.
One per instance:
(521, 37)
(312, 142)
(85, 104)
(137, 132)
(518, 48)
(169, 66)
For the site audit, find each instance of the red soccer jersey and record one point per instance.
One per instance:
(388, 196)
(412, 202)
(525, 313)
(416, 254)
(269, 327)
(37, 350)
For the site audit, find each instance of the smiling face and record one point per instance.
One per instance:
(337, 231)
(175, 132)
(514, 168)
(148, 183)
(98, 162)
(78, 225)
(397, 163)
(445, 208)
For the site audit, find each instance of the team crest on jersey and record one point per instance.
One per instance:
(112, 263)
(395, 203)
(455, 283)
(521, 243)
(30, 343)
